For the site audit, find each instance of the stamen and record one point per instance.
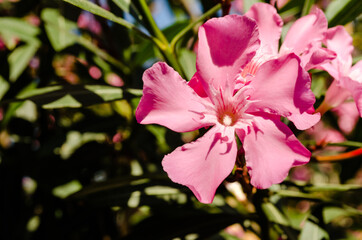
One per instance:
(227, 120)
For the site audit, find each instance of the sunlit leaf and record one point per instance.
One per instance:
(340, 12)
(124, 109)
(107, 93)
(330, 213)
(20, 58)
(123, 4)
(65, 102)
(15, 27)
(311, 231)
(38, 91)
(59, 29)
(97, 10)
(273, 214)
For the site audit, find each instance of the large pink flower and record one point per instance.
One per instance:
(217, 98)
(348, 78)
(304, 38)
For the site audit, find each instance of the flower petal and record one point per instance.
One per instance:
(168, 100)
(305, 31)
(338, 40)
(281, 86)
(271, 150)
(226, 45)
(270, 26)
(202, 165)
(316, 56)
(348, 116)
(355, 88)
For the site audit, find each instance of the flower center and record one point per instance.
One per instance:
(227, 120)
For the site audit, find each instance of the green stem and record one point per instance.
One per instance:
(193, 24)
(164, 45)
(152, 24)
(307, 6)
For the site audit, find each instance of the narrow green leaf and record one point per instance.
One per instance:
(312, 231)
(107, 93)
(20, 58)
(274, 215)
(123, 4)
(65, 102)
(97, 10)
(38, 91)
(340, 12)
(58, 29)
(307, 6)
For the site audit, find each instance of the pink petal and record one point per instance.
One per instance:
(355, 88)
(316, 56)
(305, 120)
(281, 86)
(168, 100)
(348, 116)
(196, 84)
(338, 40)
(336, 95)
(270, 26)
(324, 134)
(305, 31)
(226, 45)
(202, 165)
(271, 150)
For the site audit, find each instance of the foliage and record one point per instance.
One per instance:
(75, 164)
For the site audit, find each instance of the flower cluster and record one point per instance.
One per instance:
(243, 86)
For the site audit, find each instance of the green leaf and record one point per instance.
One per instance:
(20, 58)
(65, 102)
(318, 86)
(15, 27)
(123, 4)
(330, 213)
(274, 215)
(312, 231)
(62, 33)
(58, 29)
(340, 12)
(248, 3)
(97, 10)
(160, 134)
(187, 60)
(4, 87)
(37, 91)
(107, 93)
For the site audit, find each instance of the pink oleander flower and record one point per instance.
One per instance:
(304, 38)
(216, 98)
(347, 78)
